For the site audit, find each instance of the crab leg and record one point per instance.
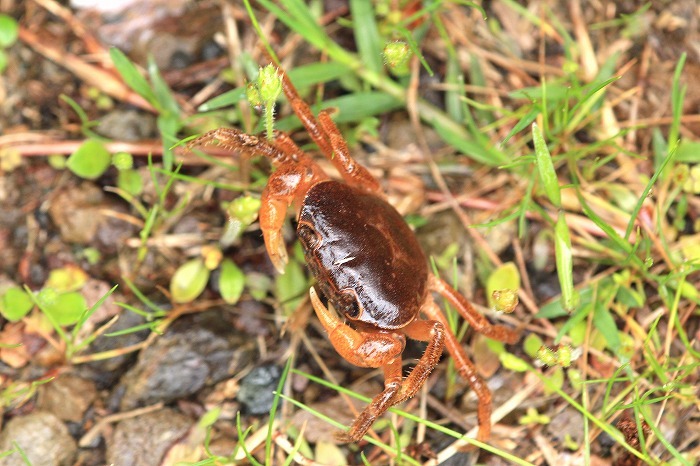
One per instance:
(462, 362)
(236, 140)
(467, 311)
(328, 138)
(396, 388)
(434, 333)
(351, 171)
(382, 350)
(468, 372)
(304, 113)
(295, 175)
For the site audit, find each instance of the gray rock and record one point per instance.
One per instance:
(256, 392)
(105, 373)
(127, 125)
(144, 440)
(198, 350)
(43, 438)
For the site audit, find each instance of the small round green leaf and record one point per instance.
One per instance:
(532, 344)
(189, 281)
(3, 61)
(231, 281)
(244, 209)
(505, 277)
(130, 181)
(513, 363)
(123, 161)
(90, 160)
(210, 417)
(8, 31)
(67, 278)
(291, 287)
(66, 308)
(16, 303)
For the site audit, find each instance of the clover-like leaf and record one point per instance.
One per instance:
(231, 281)
(90, 160)
(189, 280)
(8, 31)
(66, 308)
(15, 304)
(67, 278)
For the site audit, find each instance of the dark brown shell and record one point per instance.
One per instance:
(365, 258)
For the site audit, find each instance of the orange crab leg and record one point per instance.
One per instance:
(463, 364)
(328, 138)
(467, 311)
(468, 372)
(382, 349)
(296, 174)
(351, 171)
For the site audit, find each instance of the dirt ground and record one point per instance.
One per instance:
(183, 381)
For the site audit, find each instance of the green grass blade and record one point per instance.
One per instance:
(545, 167)
(88, 312)
(677, 97)
(413, 45)
(273, 410)
(635, 212)
(523, 123)
(565, 264)
(132, 77)
(461, 141)
(369, 43)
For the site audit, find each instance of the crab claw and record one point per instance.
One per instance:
(276, 250)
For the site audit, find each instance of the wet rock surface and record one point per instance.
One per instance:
(257, 389)
(197, 350)
(43, 438)
(144, 440)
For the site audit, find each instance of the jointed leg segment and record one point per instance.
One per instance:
(382, 349)
(296, 173)
(462, 362)
(471, 315)
(328, 138)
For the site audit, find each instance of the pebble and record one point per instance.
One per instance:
(144, 440)
(67, 397)
(197, 351)
(43, 438)
(105, 373)
(76, 211)
(256, 392)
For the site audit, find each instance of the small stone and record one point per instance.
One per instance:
(145, 440)
(43, 438)
(196, 351)
(127, 125)
(106, 373)
(76, 211)
(67, 397)
(257, 389)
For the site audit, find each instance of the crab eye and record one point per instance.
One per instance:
(308, 237)
(348, 304)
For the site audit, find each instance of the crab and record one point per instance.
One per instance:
(366, 262)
